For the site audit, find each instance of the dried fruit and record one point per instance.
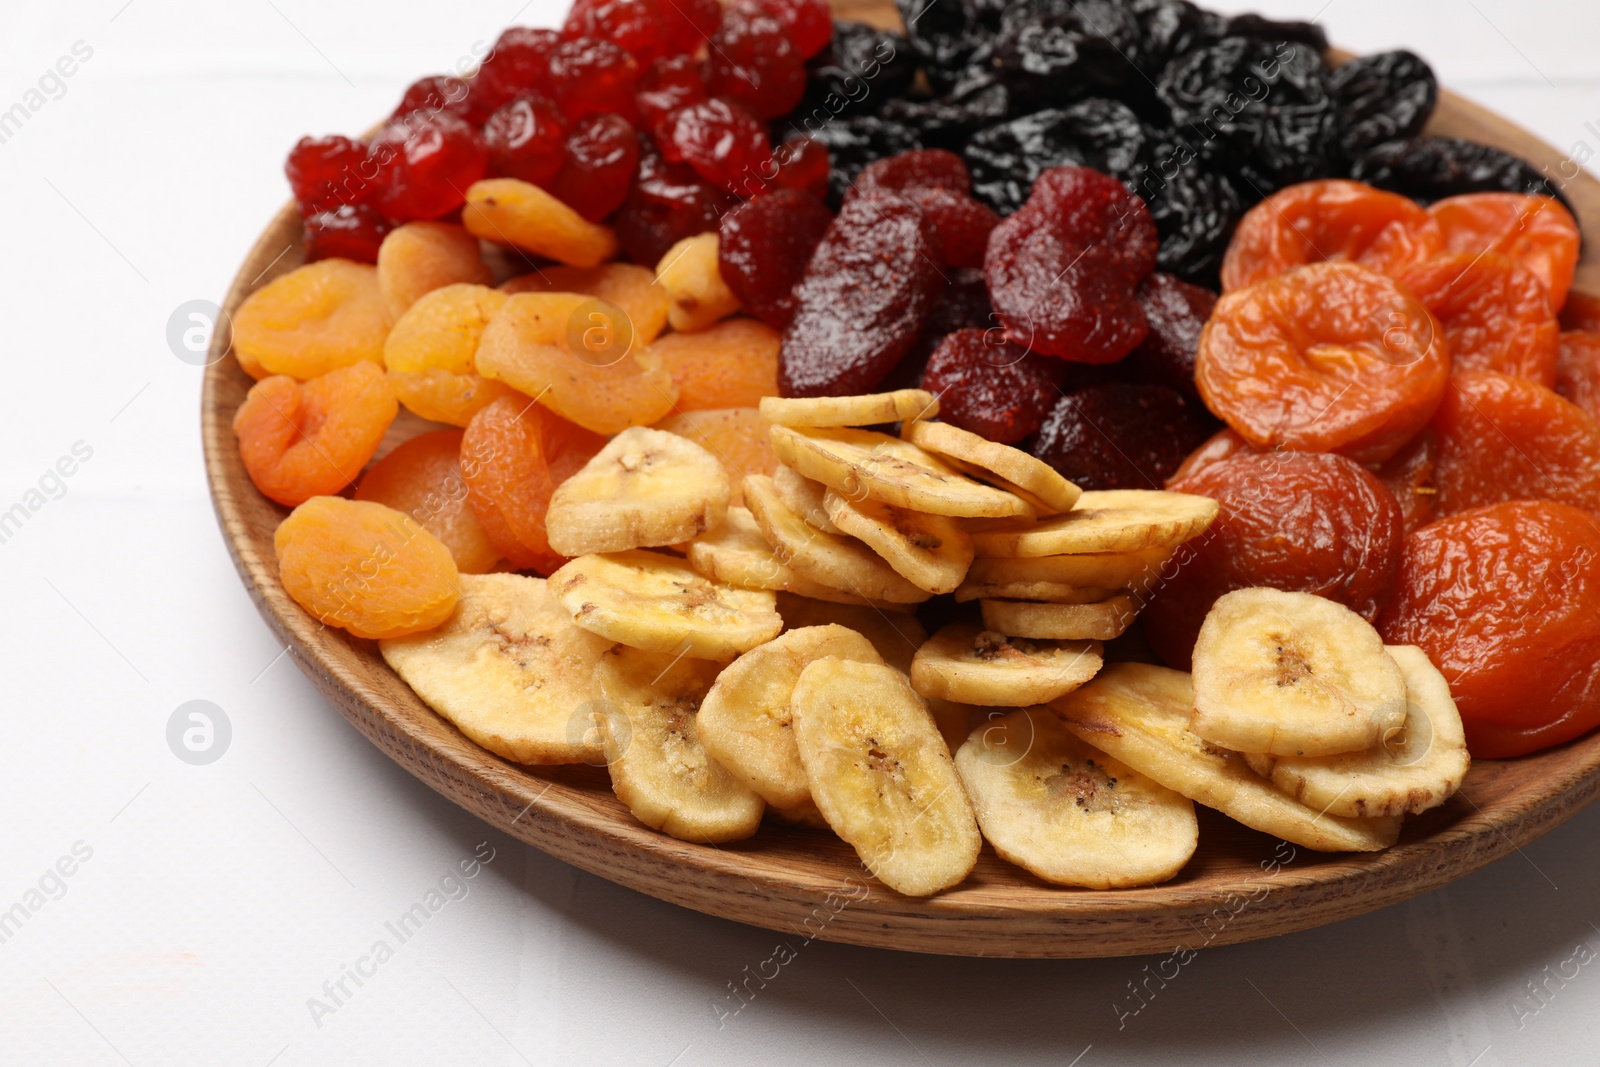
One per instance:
(314, 319)
(698, 296)
(1062, 271)
(1329, 357)
(803, 164)
(763, 249)
(751, 59)
(1535, 230)
(526, 140)
(424, 164)
(1504, 438)
(430, 351)
(630, 287)
(992, 387)
(327, 173)
(1007, 158)
(637, 26)
(525, 216)
(1176, 313)
(1505, 600)
(304, 439)
(420, 257)
(1297, 521)
(860, 69)
(1383, 98)
(589, 76)
(365, 568)
(347, 232)
(736, 436)
(668, 202)
(666, 85)
(1224, 444)
(807, 23)
(1081, 43)
(1429, 168)
(1121, 436)
(724, 143)
(436, 92)
(1494, 311)
(519, 63)
(422, 478)
(602, 155)
(1409, 475)
(856, 141)
(730, 365)
(1578, 372)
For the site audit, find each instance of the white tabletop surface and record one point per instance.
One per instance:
(207, 906)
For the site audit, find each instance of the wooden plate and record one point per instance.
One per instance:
(1240, 886)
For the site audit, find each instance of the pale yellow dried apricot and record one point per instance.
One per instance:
(692, 278)
(315, 319)
(430, 353)
(420, 257)
(516, 213)
(631, 287)
(731, 365)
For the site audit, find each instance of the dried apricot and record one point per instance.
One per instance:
(524, 216)
(315, 319)
(572, 353)
(1409, 475)
(1578, 370)
(365, 568)
(1330, 357)
(732, 365)
(1504, 438)
(629, 286)
(1224, 444)
(420, 257)
(422, 477)
(513, 456)
(1329, 220)
(1537, 231)
(1505, 600)
(1495, 313)
(738, 437)
(693, 280)
(304, 439)
(430, 353)
(1298, 521)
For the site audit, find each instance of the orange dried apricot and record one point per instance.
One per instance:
(365, 567)
(631, 287)
(420, 257)
(1578, 370)
(422, 477)
(1328, 220)
(317, 318)
(430, 353)
(305, 439)
(571, 353)
(1326, 358)
(1224, 444)
(739, 437)
(1409, 475)
(1495, 313)
(1505, 600)
(1537, 231)
(513, 456)
(1504, 438)
(513, 212)
(731, 365)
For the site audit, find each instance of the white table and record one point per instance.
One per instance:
(207, 905)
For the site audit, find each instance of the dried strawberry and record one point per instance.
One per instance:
(803, 164)
(602, 154)
(1118, 435)
(992, 387)
(527, 139)
(764, 247)
(1176, 312)
(667, 203)
(961, 225)
(722, 142)
(752, 60)
(424, 165)
(589, 76)
(923, 168)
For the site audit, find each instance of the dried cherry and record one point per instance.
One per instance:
(722, 142)
(1176, 313)
(424, 165)
(590, 76)
(639, 27)
(803, 164)
(1534, 230)
(752, 60)
(807, 23)
(347, 232)
(602, 153)
(1118, 435)
(526, 139)
(1495, 313)
(518, 63)
(992, 387)
(764, 247)
(666, 85)
(436, 92)
(326, 173)
(667, 203)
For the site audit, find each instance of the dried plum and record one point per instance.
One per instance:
(1176, 312)
(992, 387)
(1265, 29)
(1119, 435)
(857, 141)
(1007, 159)
(1171, 28)
(1432, 168)
(1195, 210)
(947, 36)
(1382, 98)
(764, 247)
(1049, 48)
(977, 100)
(860, 70)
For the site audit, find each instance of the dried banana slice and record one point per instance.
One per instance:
(932, 552)
(1293, 674)
(650, 601)
(658, 766)
(1419, 767)
(744, 719)
(1108, 570)
(831, 411)
(881, 775)
(1069, 813)
(967, 663)
(509, 669)
(841, 562)
(737, 554)
(896, 635)
(644, 489)
(1106, 520)
(803, 497)
(1140, 714)
(1047, 592)
(1100, 621)
(861, 463)
(1011, 468)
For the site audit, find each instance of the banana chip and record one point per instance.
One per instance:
(1046, 592)
(966, 663)
(932, 552)
(1100, 621)
(1009, 468)
(895, 634)
(804, 497)
(737, 554)
(831, 411)
(1105, 570)
(1107, 520)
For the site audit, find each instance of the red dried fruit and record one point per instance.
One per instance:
(1495, 313)
(638, 27)
(723, 142)
(436, 92)
(425, 163)
(808, 23)
(326, 173)
(667, 203)
(923, 168)
(1409, 475)
(992, 387)
(1118, 435)
(1299, 521)
(589, 76)
(526, 139)
(348, 232)
(763, 249)
(1578, 371)
(752, 60)
(960, 225)
(803, 164)
(961, 303)
(519, 63)
(1224, 444)
(1537, 231)
(865, 296)
(1504, 438)
(1176, 312)
(1505, 600)
(1062, 271)
(602, 155)
(667, 85)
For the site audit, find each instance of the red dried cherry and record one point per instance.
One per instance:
(519, 63)
(638, 27)
(809, 23)
(804, 164)
(349, 232)
(1118, 435)
(425, 164)
(436, 92)
(667, 203)
(722, 142)
(602, 155)
(763, 249)
(667, 85)
(589, 76)
(752, 60)
(992, 387)
(527, 139)
(327, 172)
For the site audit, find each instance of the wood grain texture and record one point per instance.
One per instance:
(809, 884)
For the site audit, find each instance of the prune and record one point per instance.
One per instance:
(667, 85)
(992, 387)
(1007, 159)
(864, 299)
(1409, 475)
(326, 173)
(1494, 312)
(589, 76)
(1535, 230)
(1330, 219)
(1330, 357)
(1578, 370)
(1431, 168)
(1172, 28)
(1298, 521)
(1118, 435)
(764, 247)
(1050, 47)
(347, 232)
(1382, 98)
(808, 23)
(527, 139)
(1062, 271)
(854, 142)
(1506, 602)
(519, 63)
(861, 69)
(424, 165)
(1176, 313)
(976, 100)
(1260, 108)
(1250, 25)
(436, 92)
(947, 36)
(1504, 438)
(602, 153)
(1195, 211)
(723, 142)
(667, 203)
(753, 61)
